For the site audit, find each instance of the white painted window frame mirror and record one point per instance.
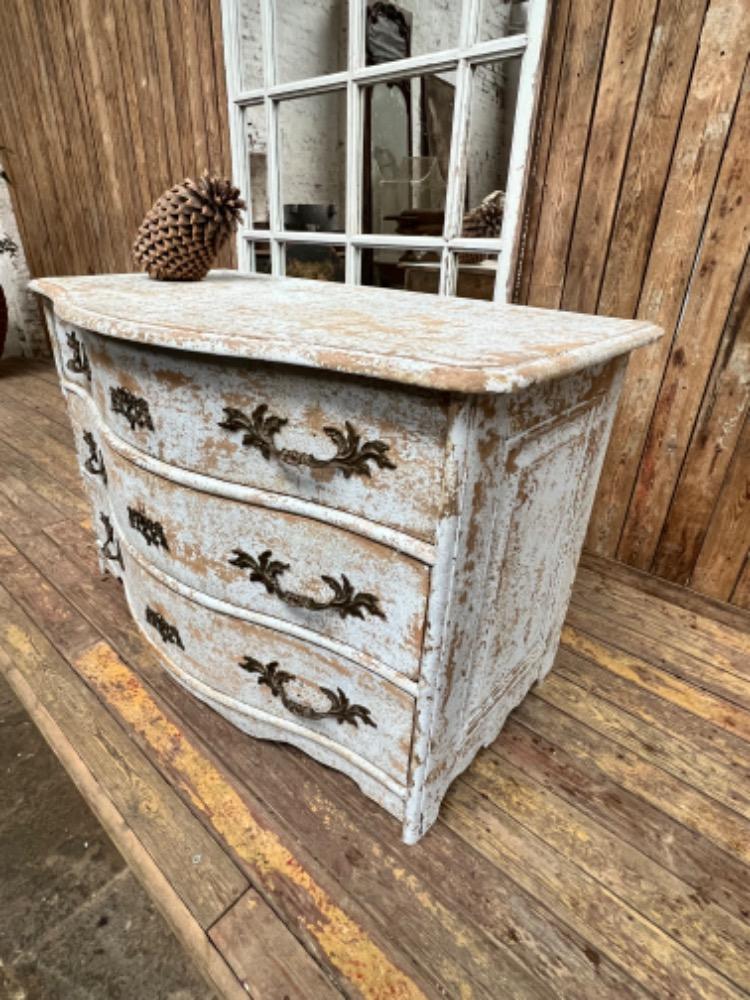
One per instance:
(463, 59)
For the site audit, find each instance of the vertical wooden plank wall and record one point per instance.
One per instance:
(640, 206)
(104, 104)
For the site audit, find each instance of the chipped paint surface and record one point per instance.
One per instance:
(470, 542)
(343, 942)
(457, 345)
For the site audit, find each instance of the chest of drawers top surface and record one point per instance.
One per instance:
(456, 345)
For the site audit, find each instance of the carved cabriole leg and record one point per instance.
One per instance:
(523, 472)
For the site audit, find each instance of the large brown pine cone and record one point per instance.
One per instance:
(187, 226)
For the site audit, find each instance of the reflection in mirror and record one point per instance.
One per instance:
(410, 28)
(407, 270)
(314, 261)
(312, 152)
(251, 45)
(476, 275)
(311, 38)
(257, 151)
(500, 18)
(493, 106)
(262, 258)
(407, 140)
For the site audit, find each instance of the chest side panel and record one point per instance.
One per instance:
(530, 470)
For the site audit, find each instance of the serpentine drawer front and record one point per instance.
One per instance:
(318, 700)
(311, 574)
(358, 446)
(347, 519)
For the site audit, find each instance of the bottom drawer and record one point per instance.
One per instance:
(333, 709)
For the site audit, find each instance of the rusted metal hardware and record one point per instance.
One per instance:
(110, 547)
(152, 531)
(351, 458)
(339, 707)
(94, 463)
(133, 408)
(79, 363)
(345, 601)
(167, 631)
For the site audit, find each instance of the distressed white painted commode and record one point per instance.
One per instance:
(349, 519)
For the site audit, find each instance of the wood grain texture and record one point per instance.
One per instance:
(164, 115)
(131, 98)
(201, 873)
(637, 888)
(634, 213)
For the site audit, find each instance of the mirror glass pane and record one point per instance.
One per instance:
(407, 137)
(262, 258)
(500, 18)
(410, 28)
(407, 270)
(312, 150)
(251, 45)
(315, 261)
(257, 149)
(493, 108)
(311, 36)
(476, 275)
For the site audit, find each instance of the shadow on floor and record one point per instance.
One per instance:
(74, 922)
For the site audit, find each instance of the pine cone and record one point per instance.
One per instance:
(485, 220)
(184, 230)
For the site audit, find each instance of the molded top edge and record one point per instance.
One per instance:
(449, 344)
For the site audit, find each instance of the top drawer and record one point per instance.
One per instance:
(370, 449)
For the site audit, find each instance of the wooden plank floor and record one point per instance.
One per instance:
(599, 848)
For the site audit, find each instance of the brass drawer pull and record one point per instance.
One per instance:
(110, 547)
(152, 531)
(339, 705)
(133, 408)
(167, 631)
(94, 463)
(346, 601)
(79, 363)
(351, 458)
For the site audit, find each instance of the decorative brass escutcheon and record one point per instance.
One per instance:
(110, 547)
(94, 463)
(351, 458)
(132, 407)
(79, 363)
(345, 601)
(167, 631)
(339, 706)
(152, 531)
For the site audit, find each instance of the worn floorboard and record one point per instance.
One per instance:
(599, 848)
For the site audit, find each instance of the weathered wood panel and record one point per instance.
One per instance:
(636, 208)
(105, 104)
(635, 747)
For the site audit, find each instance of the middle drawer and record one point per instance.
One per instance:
(312, 575)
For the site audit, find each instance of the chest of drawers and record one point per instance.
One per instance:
(347, 519)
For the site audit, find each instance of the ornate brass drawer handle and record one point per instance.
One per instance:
(167, 631)
(339, 705)
(79, 363)
(133, 408)
(152, 531)
(110, 547)
(346, 601)
(94, 463)
(351, 458)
